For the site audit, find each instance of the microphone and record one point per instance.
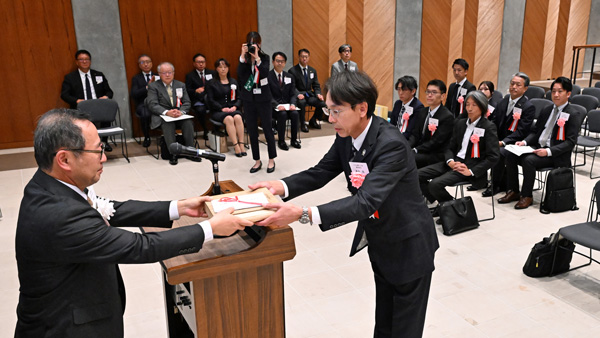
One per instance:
(179, 149)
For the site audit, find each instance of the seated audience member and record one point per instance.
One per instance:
(195, 83)
(344, 63)
(460, 88)
(553, 138)
(139, 91)
(283, 91)
(407, 108)
(433, 129)
(222, 97)
(309, 89)
(86, 84)
(168, 97)
(473, 150)
(487, 88)
(513, 117)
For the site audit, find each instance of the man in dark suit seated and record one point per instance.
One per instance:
(344, 63)
(69, 241)
(386, 201)
(195, 83)
(553, 138)
(408, 107)
(513, 117)
(460, 88)
(139, 91)
(433, 129)
(86, 84)
(283, 91)
(169, 98)
(473, 150)
(307, 84)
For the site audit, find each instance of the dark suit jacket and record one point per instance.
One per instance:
(395, 117)
(72, 88)
(67, 259)
(424, 142)
(561, 150)
(311, 88)
(452, 99)
(489, 151)
(218, 96)
(503, 122)
(138, 87)
(158, 100)
(193, 82)
(284, 94)
(338, 66)
(402, 239)
(244, 71)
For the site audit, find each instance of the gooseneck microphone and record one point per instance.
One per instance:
(179, 149)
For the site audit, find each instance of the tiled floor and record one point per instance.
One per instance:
(478, 289)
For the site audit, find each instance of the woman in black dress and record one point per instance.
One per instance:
(223, 100)
(256, 97)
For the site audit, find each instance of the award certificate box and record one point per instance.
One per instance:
(248, 211)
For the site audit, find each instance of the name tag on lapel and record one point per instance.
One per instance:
(99, 79)
(312, 75)
(264, 82)
(256, 91)
(287, 80)
(564, 116)
(359, 167)
(208, 77)
(479, 131)
(179, 92)
(408, 110)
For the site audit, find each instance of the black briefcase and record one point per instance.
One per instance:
(458, 215)
(542, 257)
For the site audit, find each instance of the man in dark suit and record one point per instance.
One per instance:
(69, 241)
(86, 84)
(344, 63)
(473, 150)
(460, 88)
(513, 117)
(307, 84)
(392, 217)
(139, 91)
(433, 129)
(168, 97)
(408, 107)
(553, 138)
(195, 82)
(283, 91)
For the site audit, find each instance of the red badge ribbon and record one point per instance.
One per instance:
(461, 100)
(405, 118)
(475, 148)
(561, 131)
(515, 122)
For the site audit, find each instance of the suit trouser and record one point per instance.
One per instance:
(282, 116)
(400, 308)
(145, 116)
(425, 159)
(311, 101)
(530, 163)
(252, 111)
(499, 172)
(187, 129)
(441, 176)
(200, 111)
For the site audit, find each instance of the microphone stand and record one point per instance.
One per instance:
(216, 186)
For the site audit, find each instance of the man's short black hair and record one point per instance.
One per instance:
(303, 50)
(565, 83)
(198, 54)
(438, 83)
(352, 88)
(344, 46)
(408, 82)
(461, 62)
(82, 51)
(282, 54)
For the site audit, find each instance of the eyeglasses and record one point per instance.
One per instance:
(334, 113)
(145, 62)
(432, 92)
(84, 60)
(101, 151)
(279, 61)
(167, 73)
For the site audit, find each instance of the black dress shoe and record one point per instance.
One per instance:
(173, 160)
(255, 170)
(107, 147)
(488, 192)
(313, 124)
(283, 146)
(296, 144)
(304, 128)
(238, 155)
(274, 131)
(271, 169)
(435, 212)
(146, 142)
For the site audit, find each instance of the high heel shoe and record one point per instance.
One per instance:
(243, 153)
(271, 169)
(254, 170)
(237, 154)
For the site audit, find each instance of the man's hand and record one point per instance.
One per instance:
(244, 51)
(80, 100)
(292, 107)
(500, 144)
(541, 152)
(286, 213)
(200, 90)
(320, 97)
(520, 143)
(462, 169)
(451, 164)
(225, 224)
(103, 97)
(275, 187)
(301, 96)
(193, 207)
(280, 107)
(173, 113)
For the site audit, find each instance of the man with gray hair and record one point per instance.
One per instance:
(168, 99)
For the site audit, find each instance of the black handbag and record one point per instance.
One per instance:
(560, 191)
(540, 259)
(458, 215)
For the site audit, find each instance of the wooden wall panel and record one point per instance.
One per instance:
(338, 23)
(534, 33)
(455, 44)
(356, 25)
(560, 38)
(552, 21)
(470, 37)
(489, 35)
(579, 17)
(38, 49)
(435, 39)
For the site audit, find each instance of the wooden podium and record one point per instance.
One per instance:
(233, 287)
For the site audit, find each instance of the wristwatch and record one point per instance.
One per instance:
(304, 219)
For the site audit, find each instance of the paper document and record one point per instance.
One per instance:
(110, 130)
(285, 106)
(240, 202)
(519, 150)
(171, 119)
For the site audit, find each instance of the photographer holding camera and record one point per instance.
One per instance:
(256, 97)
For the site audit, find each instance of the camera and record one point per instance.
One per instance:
(251, 48)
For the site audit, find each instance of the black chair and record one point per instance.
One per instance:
(548, 95)
(497, 96)
(576, 90)
(586, 141)
(539, 105)
(586, 234)
(597, 84)
(534, 92)
(214, 138)
(106, 110)
(591, 91)
(587, 101)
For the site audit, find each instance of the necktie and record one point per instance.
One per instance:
(426, 123)
(400, 119)
(147, 78)
(511, 105)
(280, 83)
(346, 66)
(354, 151)
(458, 91)
(305, 76)
(548, 131)
(88, 87)
(170, 92)
(203, 79)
